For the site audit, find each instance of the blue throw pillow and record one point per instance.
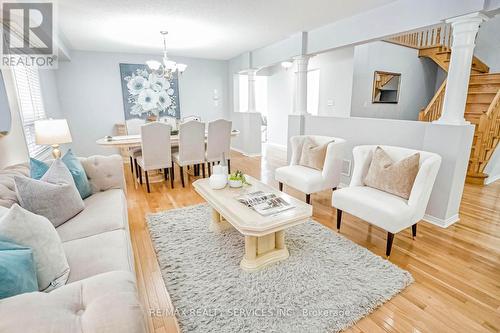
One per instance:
(39, 168)
(78, 172)
(17, 270)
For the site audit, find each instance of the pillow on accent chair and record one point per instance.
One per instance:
(54, 196)
(392, 177)
(313, 155)
(17, 269)
(36, 232)
(39, 168)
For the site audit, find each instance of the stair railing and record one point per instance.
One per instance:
(435, 107)
(439, 35)
(487, 137)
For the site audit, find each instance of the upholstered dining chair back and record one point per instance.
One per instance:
(156, 148)
(190, 118)
(332, 166)
(134, 126)
(422, 187)
(218, 139)
(191, 143)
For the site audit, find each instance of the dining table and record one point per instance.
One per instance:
(134, 140)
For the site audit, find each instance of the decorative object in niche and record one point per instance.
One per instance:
(386, 87)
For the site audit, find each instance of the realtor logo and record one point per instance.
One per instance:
(28, 34)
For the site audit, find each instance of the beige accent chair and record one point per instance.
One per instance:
(101, 293)
(382, 209)
(134, 128)
(309, 180)
(191, 147)
(156, 151)
(218, 142)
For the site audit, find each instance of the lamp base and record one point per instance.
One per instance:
(56, 152)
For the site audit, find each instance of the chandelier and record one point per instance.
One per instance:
(166, 68)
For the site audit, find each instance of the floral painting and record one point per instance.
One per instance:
(146, 94)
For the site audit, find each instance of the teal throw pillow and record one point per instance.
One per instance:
(37, 168)
(17, 270)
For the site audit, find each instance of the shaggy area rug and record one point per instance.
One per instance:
(326, 285)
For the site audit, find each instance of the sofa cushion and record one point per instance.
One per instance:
(54, 196)
(104, 211)
(382, 209)
(302, 178)
(105, 303)
(36, 232)
(105, 252)
(8, 195)
(104, 172)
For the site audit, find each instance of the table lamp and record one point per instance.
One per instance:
(52, 132)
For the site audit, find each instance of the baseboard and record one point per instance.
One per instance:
(440, 222)
(245, 153)
(491, 179)
(341, 185)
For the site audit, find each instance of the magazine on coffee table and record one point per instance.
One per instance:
(265, 203)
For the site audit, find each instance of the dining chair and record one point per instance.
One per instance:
(134, 128)
(218, 143)
(191, 146)
(156, 151)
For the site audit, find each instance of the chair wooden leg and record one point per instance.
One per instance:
(136, 167)
(147, 181)
(173, 170)
(334, 189)
(182, 175)
(140, 174)
(202, 166)
(229, 166)
(209, 169)
(172, 177)
(131, 164)
(308, 199)
(165, 173)
(390, 238)
(339, 219)
(280, 185)
(414, 230)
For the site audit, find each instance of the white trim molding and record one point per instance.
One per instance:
(440, 222)
(245, 153)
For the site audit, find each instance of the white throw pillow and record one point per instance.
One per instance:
(36, 232)
(55, 196)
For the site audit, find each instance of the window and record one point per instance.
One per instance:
(30, 103)
(260, 93)
(313, 92)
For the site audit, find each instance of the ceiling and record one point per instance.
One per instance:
(215, 29)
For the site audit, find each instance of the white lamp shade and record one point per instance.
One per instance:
(181, 67)
(52, 132)
(153, 64)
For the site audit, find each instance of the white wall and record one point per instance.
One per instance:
(335, 81)
(280, 104)
(418, 79)
(488, 44)
(452, 143)
(91, 98)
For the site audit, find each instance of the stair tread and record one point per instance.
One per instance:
(482, 93)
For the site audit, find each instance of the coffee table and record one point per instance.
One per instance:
(264, 235)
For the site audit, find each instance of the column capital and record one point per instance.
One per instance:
(469, 18)
(465, 28)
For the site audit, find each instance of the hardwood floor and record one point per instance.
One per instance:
(456, 270)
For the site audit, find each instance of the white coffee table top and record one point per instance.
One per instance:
(245, 220)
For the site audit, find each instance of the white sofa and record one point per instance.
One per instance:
(384, 210)
(309, 180)
(101, 293)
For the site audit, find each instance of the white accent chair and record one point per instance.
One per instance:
(156, 151)
(191, 146)
(309, 180)
(382, 209)
(218, 142)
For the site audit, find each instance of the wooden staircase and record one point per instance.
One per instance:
(483, 97)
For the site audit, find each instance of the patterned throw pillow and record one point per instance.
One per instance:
(39, 168)
(313, 154)
(17, 269)
(36, 232)
(54, 196)
(392, 177)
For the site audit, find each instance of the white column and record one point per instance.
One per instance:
(251, 90)
(464, 29)
(300, 98)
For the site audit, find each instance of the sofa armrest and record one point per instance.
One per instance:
(104, 172)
